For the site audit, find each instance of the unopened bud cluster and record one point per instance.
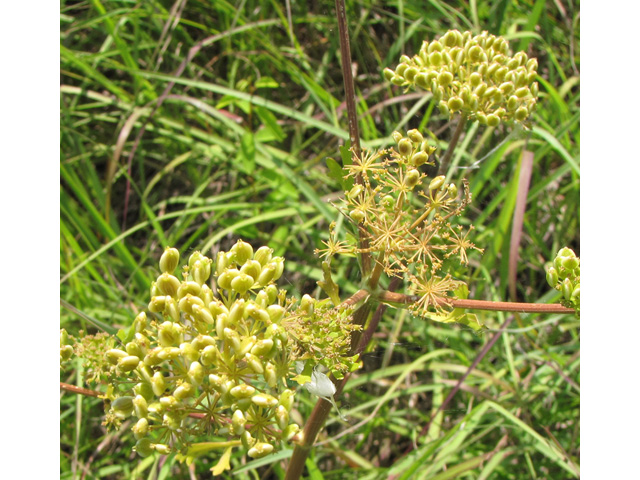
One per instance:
(472, 75)
(223, 355)
(564, 276)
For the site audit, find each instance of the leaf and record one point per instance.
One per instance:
(266, 82)
(335, 170)
(246, 157)
(126, 336)
(223, 464)
(270, 122)
(345, 154)
(459, 315)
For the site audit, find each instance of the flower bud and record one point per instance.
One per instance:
(169, 334)
(168, 401)
(133, 348)
(141, 428)
(455, 104)
(552, 277)
(521, 114)
(242, 283)
(493, 120)
(168, 284)
(282, 417)
(157, 303)
(169, 260)
(444, 108)
(289, 432)
(158, 384)
(262, 347)
(202, 314)
(405, 147)
(237, 422)
(474, 79)
(254, 363)
(357, 215)
(569, 263)
(237, 312)
(264, 400)
(122, 406)
(66, 351)
(140, 322)
(209, 355)
(196, 373)
(222, 322)
(435, 59)
(286, 399)
(232, 337)
(434, 46)
(128, 363)
(161, 448)
(415, 136)
(445, 78)
(242, 391)
(412, 178)
(567, 289)
(436, 183)
(114, 355)
(188, 301)
(410, 73)
(242, 251)
(260, 449)
(169, 353)
(184, 390)
(189, 288)
(272, 293)
(267, 274)
(270, 374)
(224, 280)
(388, 74)
(143, 447)
(140, 406)
(279, 264)
(144, 389)
(420, 158)
(153, 357)
(397, 136)
(247, 440)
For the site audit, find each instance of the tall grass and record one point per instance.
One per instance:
(237, 147)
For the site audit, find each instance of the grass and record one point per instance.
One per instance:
(238, 148)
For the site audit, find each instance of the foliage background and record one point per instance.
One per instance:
(237, 149)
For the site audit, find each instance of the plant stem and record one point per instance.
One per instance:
(446, 158)
(79, 390)
(402, 299)
(349, 89)
(352, 114)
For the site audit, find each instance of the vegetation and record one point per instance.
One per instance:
(195, 124)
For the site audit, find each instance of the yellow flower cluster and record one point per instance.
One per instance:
(472, 75)
(208, 363)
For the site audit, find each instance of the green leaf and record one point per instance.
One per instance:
(335, 170)
(266, 82)
(459, 315)
(270, 122)
(246, 156)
